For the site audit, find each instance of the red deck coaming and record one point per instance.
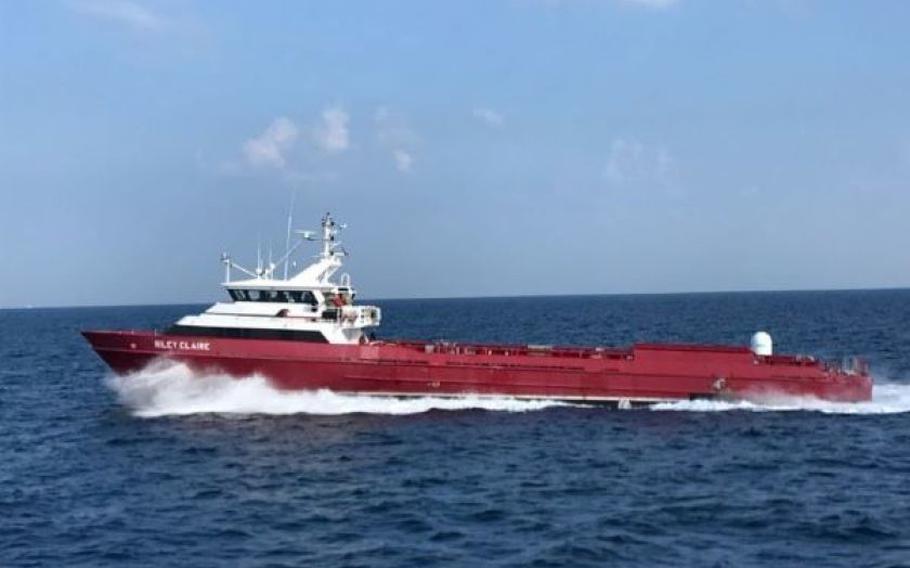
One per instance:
(404, 368)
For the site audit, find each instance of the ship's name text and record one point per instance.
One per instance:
(182, 345)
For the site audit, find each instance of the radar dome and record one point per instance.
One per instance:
(761, 343)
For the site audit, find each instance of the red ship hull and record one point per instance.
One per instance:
(641, 374)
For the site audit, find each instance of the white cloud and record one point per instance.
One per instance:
(403, 160)
(270, 147)
(653, 4)
(631, 161)
(333, 135)
(122, 12)
(394, 134)
(489, 116)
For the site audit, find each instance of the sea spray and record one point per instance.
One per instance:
(173, 389)
(887, 398)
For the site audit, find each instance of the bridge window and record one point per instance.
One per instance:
(302, 297)
(277, 296)
(239, 295)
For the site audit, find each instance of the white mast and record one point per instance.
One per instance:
(287, 241)
(226, 260)
(259, 256)
(329, 229)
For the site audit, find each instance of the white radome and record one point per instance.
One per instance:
(762, 344)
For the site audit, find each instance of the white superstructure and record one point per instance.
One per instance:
(309, 306)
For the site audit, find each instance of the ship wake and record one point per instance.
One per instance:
(174, 390)
(887, 398)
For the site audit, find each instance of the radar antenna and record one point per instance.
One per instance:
(331, 229)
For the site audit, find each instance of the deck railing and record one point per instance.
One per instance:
(506, 350)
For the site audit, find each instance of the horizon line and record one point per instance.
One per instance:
(491, 297)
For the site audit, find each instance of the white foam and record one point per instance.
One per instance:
(169, 389)
(887, 398)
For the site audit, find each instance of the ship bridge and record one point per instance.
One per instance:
(310, 305)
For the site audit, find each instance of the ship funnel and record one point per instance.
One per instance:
(762, 344)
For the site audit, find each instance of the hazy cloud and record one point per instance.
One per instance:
(121, 12)
(653, 4)
(403, 160)
(270, 147)
(631, 161)
(394, 134)
(489, 116)
(333, 134)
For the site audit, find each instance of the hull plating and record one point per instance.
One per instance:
(643, 373)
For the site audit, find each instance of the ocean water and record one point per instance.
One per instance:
(166, 469)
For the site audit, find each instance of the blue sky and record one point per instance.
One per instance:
(474, 148)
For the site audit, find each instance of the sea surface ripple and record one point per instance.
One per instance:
(166, 469)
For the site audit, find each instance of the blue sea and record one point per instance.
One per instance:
(166, 469)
